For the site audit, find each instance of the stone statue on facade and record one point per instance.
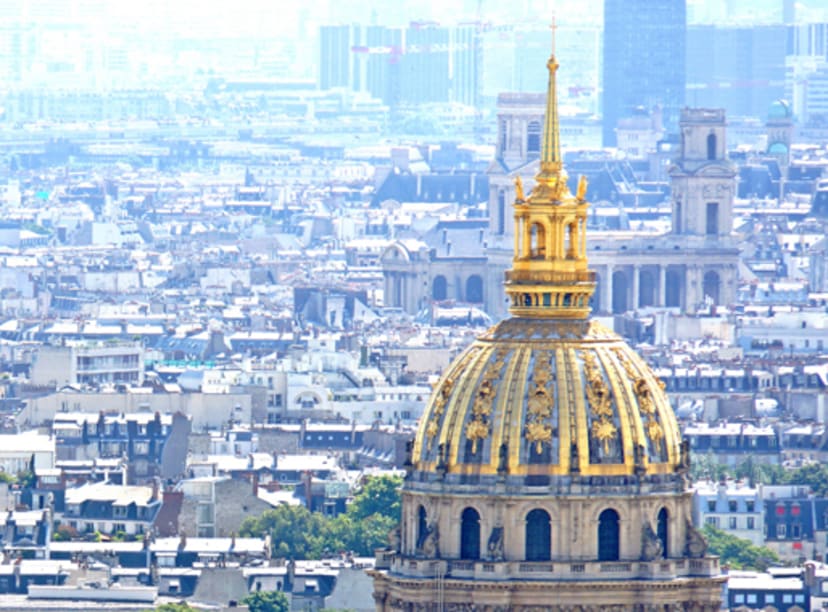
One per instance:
(651, 546)
(394, 537)
(494, 548)
(431, 541)
(696, 544)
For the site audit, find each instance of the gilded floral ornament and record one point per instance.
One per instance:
(604, 431)
(476, 430)
(656, 434)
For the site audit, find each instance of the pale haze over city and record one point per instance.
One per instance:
(394, 306)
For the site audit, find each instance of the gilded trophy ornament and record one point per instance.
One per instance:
(599, 397)
(478, 428)
(646, 402)
(540, 405)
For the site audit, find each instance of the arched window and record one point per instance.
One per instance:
(470, 534)
(439, 288)
(711, 220)
(422, 526)
(711, 146)
(710, 286)
(538, 536)
(474, 289)
(662, 531)
(675, 287)
(608, 543)
(537, 236)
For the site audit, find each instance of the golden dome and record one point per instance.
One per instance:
(548, 392)
(548, 398)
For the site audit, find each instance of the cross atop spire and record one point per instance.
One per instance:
(551, 150)
(553, 26)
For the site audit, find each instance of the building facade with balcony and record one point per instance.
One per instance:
(95, 364)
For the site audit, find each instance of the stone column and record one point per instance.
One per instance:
(692, 291)
(388, 286)
(636, 282)
(662, 285)
(607, 301)
(526, 232)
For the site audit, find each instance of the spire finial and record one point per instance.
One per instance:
(553, 26)
(551, 153)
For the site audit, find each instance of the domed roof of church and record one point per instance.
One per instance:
(548, 392)
(779, 109)
(548, 397)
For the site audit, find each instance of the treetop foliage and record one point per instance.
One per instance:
(298, 533)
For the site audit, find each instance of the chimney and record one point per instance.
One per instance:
(255, 484)
(155, 488)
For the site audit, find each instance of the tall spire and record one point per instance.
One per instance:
(550, 276)
(551, 151)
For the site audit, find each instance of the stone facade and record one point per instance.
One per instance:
(694, 264)
(218, 506)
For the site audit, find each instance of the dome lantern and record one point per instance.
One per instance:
(550, 276)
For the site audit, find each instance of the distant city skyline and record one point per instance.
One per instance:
(180, 48)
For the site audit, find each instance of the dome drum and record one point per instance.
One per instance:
(572, 529)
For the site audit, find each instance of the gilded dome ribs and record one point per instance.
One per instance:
(441, 398)
(468, 388)
(513, 405)
(568, 444)
(646, 405)
(603, 430)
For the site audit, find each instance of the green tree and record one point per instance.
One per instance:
(737, 552)
(340, 534)
(815, 475)
(372, 533)
(300, 534)
(267, 601)
(174, 607)
(27, 479)
(379, 495)
(295, 531)
(704, 466)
